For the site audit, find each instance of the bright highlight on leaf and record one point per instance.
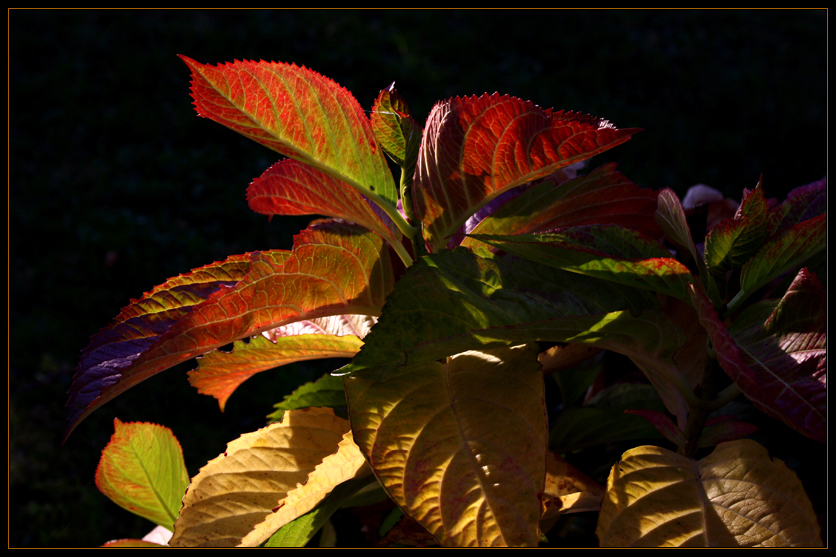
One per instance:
(238, 489)
(736, 497)
(142, 470)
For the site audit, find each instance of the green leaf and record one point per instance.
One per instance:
(730, 243)
(474, 149)
(608, 252)
(396, 130)
(460, 445)
(300, 114)
(142, 470)
(327, 391)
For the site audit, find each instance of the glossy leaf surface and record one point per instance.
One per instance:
(333, 269)
(474, 148)
(459, 445)
(298, 113)
(142, 470)
(738, 496)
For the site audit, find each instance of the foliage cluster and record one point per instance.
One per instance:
(489, 271)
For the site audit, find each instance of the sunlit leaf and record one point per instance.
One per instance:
(142, 470)
(736, 497)
(298, 113)
(460, 445)
(474, 149)
(292, 188)
(347, 463)
(395, 129)
(238, 489)
(730, 243)
(333, 269)
(325, 391)
(567, 490)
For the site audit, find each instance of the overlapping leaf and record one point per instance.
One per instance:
(220, 373)
(781, 362)
(298, 113)
(333, 269)
(738, 496)
(609, 252)
(604, 196)
(730, 243)
(473, 149)
(142, 470)
(239, 488)
(395, 129)
(292, 188)
(460, 445)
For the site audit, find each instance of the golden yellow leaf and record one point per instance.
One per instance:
(347, 463)
(567, 490)
(236, 490)
(736, 497)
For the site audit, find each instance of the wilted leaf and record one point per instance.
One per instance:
(347, 463)
(736, 497)
(459, 445)
(142, 470)
(474, 149)
(238, 489)
(300, 114)
(333, 269)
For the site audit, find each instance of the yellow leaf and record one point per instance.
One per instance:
(236, 490)
(736, 497)
(567, 490)
(347, 463)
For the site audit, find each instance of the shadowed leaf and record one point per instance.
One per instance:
(474, 149)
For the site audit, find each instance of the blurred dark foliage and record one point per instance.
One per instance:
(115, 184)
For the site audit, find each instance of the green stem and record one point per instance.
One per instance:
(418, 246)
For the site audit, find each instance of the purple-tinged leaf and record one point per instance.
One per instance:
(802, 204)
(604, 196)
(333, 269)
(778, 362)
(474, 149)
(663, 425)
(723, 429)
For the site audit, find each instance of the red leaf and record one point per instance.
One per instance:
(298, 113)
(475, 148)
(333, 269)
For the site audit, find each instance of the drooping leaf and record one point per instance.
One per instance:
(142, 470)
(609, 252)
(777, 355)
(345, 464)
(395, 129)
(333, 269)
(239, 488)
(460, 445)
(730, 243)
(292, 188)
(738, 496)
(298, 113)
(474, 149)
(784, 345)
(604, 196)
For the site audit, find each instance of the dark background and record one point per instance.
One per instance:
(115, 184)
